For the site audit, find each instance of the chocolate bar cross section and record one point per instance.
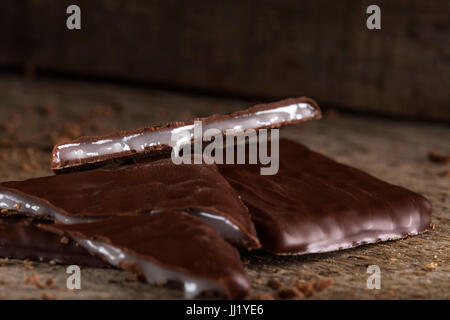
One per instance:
(86, 152)
(315, 204)
(145, 188)
(164, 246)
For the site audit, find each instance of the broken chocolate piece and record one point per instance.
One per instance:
(165, 246)
(88, 151)
(314, 204)
(143, 188)
(20, 238)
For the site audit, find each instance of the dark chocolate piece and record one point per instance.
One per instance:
(85, 152)
(314, 204)
(20, 238)
(143, 188)
(165, 246)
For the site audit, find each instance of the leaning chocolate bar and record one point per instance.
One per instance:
(138, 189)
(163, 247)
(314, 204)
(20, 238)
(90, 151)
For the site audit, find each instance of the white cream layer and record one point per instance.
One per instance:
(34, 207)
(139, 142)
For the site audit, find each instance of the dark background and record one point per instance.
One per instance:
(261, 50)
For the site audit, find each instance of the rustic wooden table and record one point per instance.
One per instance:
(36, 113)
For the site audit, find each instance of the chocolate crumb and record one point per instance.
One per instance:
(274, 284)
(385, 295)
(50, 283)
(34, 279)
(307, 288)
(445, 173)
(64, 240)
(263, 296)
(290, 293)
(28, 265)
(431, 266)
(272, 270)
(312, 287)
(47, 296)
(438, 157)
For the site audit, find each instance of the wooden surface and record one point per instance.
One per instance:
(265, 48)
(35, 114)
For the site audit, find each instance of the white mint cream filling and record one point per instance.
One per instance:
(34, 207)
(227, 229)
(139, 142)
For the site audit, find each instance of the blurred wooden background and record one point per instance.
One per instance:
(263, 49)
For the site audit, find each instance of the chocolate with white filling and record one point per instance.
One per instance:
(165, 246)
(86, 152)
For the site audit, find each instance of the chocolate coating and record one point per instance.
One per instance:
(141, 188)
(20, 238)
(314, 204)
(174, 241)
(88, 152)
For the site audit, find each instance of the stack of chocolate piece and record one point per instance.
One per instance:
(182, 223)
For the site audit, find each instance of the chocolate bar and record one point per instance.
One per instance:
(138, 189)
(86, 152)
(164, 246)
(20, 238)
(314, 204)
